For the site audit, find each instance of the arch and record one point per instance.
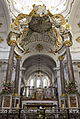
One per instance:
(39, 58)
(42, 63)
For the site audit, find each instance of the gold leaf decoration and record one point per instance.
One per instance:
(78, 65)
(1, 39)
(57, 9)
(39, 47)
(1, 24)
(61, 57)
(78, 39)
(78, 25)
(0, 64)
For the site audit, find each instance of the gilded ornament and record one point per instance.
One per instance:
(18, 57)
(57, 9)
(21, 43)
(63, 95)
(58, 41)
(1, 40)
(15, 94)
(12, 42)
(65, 3)
(78, 25)
(16, 25)
(78, 39)
(49, 13)
(67, 43)
(66, 26)
(78, 65)
(0, 64)
(1, 24)
(19, 47)
(39, 47)
(61, 57)
(60, 18)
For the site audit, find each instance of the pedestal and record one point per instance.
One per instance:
(72, 101)
(7, 101)
(64, 101)
(15, 101)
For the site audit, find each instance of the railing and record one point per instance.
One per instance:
(56, 113)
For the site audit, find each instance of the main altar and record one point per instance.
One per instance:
(39, 84)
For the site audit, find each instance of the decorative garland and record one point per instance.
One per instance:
(7, 88)
(71, 87)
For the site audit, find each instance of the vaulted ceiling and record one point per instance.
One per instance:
(4, 24)
(38, 63)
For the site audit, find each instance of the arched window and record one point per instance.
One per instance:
(38, 80)
(45, 81)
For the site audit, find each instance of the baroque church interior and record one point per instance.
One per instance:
(40, 59)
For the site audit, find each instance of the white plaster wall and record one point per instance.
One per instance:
(3, 68)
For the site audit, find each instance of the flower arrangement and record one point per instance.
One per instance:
(7, 88)
(71, 87)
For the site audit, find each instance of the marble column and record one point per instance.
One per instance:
(52, 88)
(52, 85)
(48, 92)
(69, 64)
(62, 74)
(12, 43)
(35, 84)
(25, 95)
(30, 92)
(17, 72)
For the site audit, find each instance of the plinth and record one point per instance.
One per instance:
(72, 101)
(64, 100)
(15, 101)
(7, 101)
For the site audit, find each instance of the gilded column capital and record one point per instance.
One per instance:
(61, 57)
(12, 42)
(67, 39)
(15, 94)
(67, 43)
